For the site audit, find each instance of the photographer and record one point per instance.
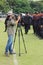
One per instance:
(11, 27)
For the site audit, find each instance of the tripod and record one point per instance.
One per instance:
(19, 30)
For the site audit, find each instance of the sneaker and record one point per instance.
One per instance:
(6, 53)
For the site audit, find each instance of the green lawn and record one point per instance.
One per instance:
(34, 47)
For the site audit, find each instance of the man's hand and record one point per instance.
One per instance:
(18, 19)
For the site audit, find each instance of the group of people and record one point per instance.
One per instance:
(36, 20)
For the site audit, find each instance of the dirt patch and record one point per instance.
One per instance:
(2, 19)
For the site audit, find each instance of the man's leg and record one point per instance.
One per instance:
(8, 43)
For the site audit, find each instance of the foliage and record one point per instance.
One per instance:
(36, 6)
(21, 6)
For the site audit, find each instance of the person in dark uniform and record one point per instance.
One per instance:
(35, 23)
(26, 22)
(41, 25)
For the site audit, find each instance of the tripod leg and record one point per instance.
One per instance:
(15, 37)
(19, 40)
(23, 41)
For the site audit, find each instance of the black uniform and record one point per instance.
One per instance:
(26, 23)
(41, 26)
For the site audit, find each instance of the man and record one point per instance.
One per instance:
(27, 22)
(11, 25)
(41, 25)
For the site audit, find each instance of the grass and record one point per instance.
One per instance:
(33, 44)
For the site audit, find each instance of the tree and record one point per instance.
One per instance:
(36, 6)
(21, 6)
(4, 7)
